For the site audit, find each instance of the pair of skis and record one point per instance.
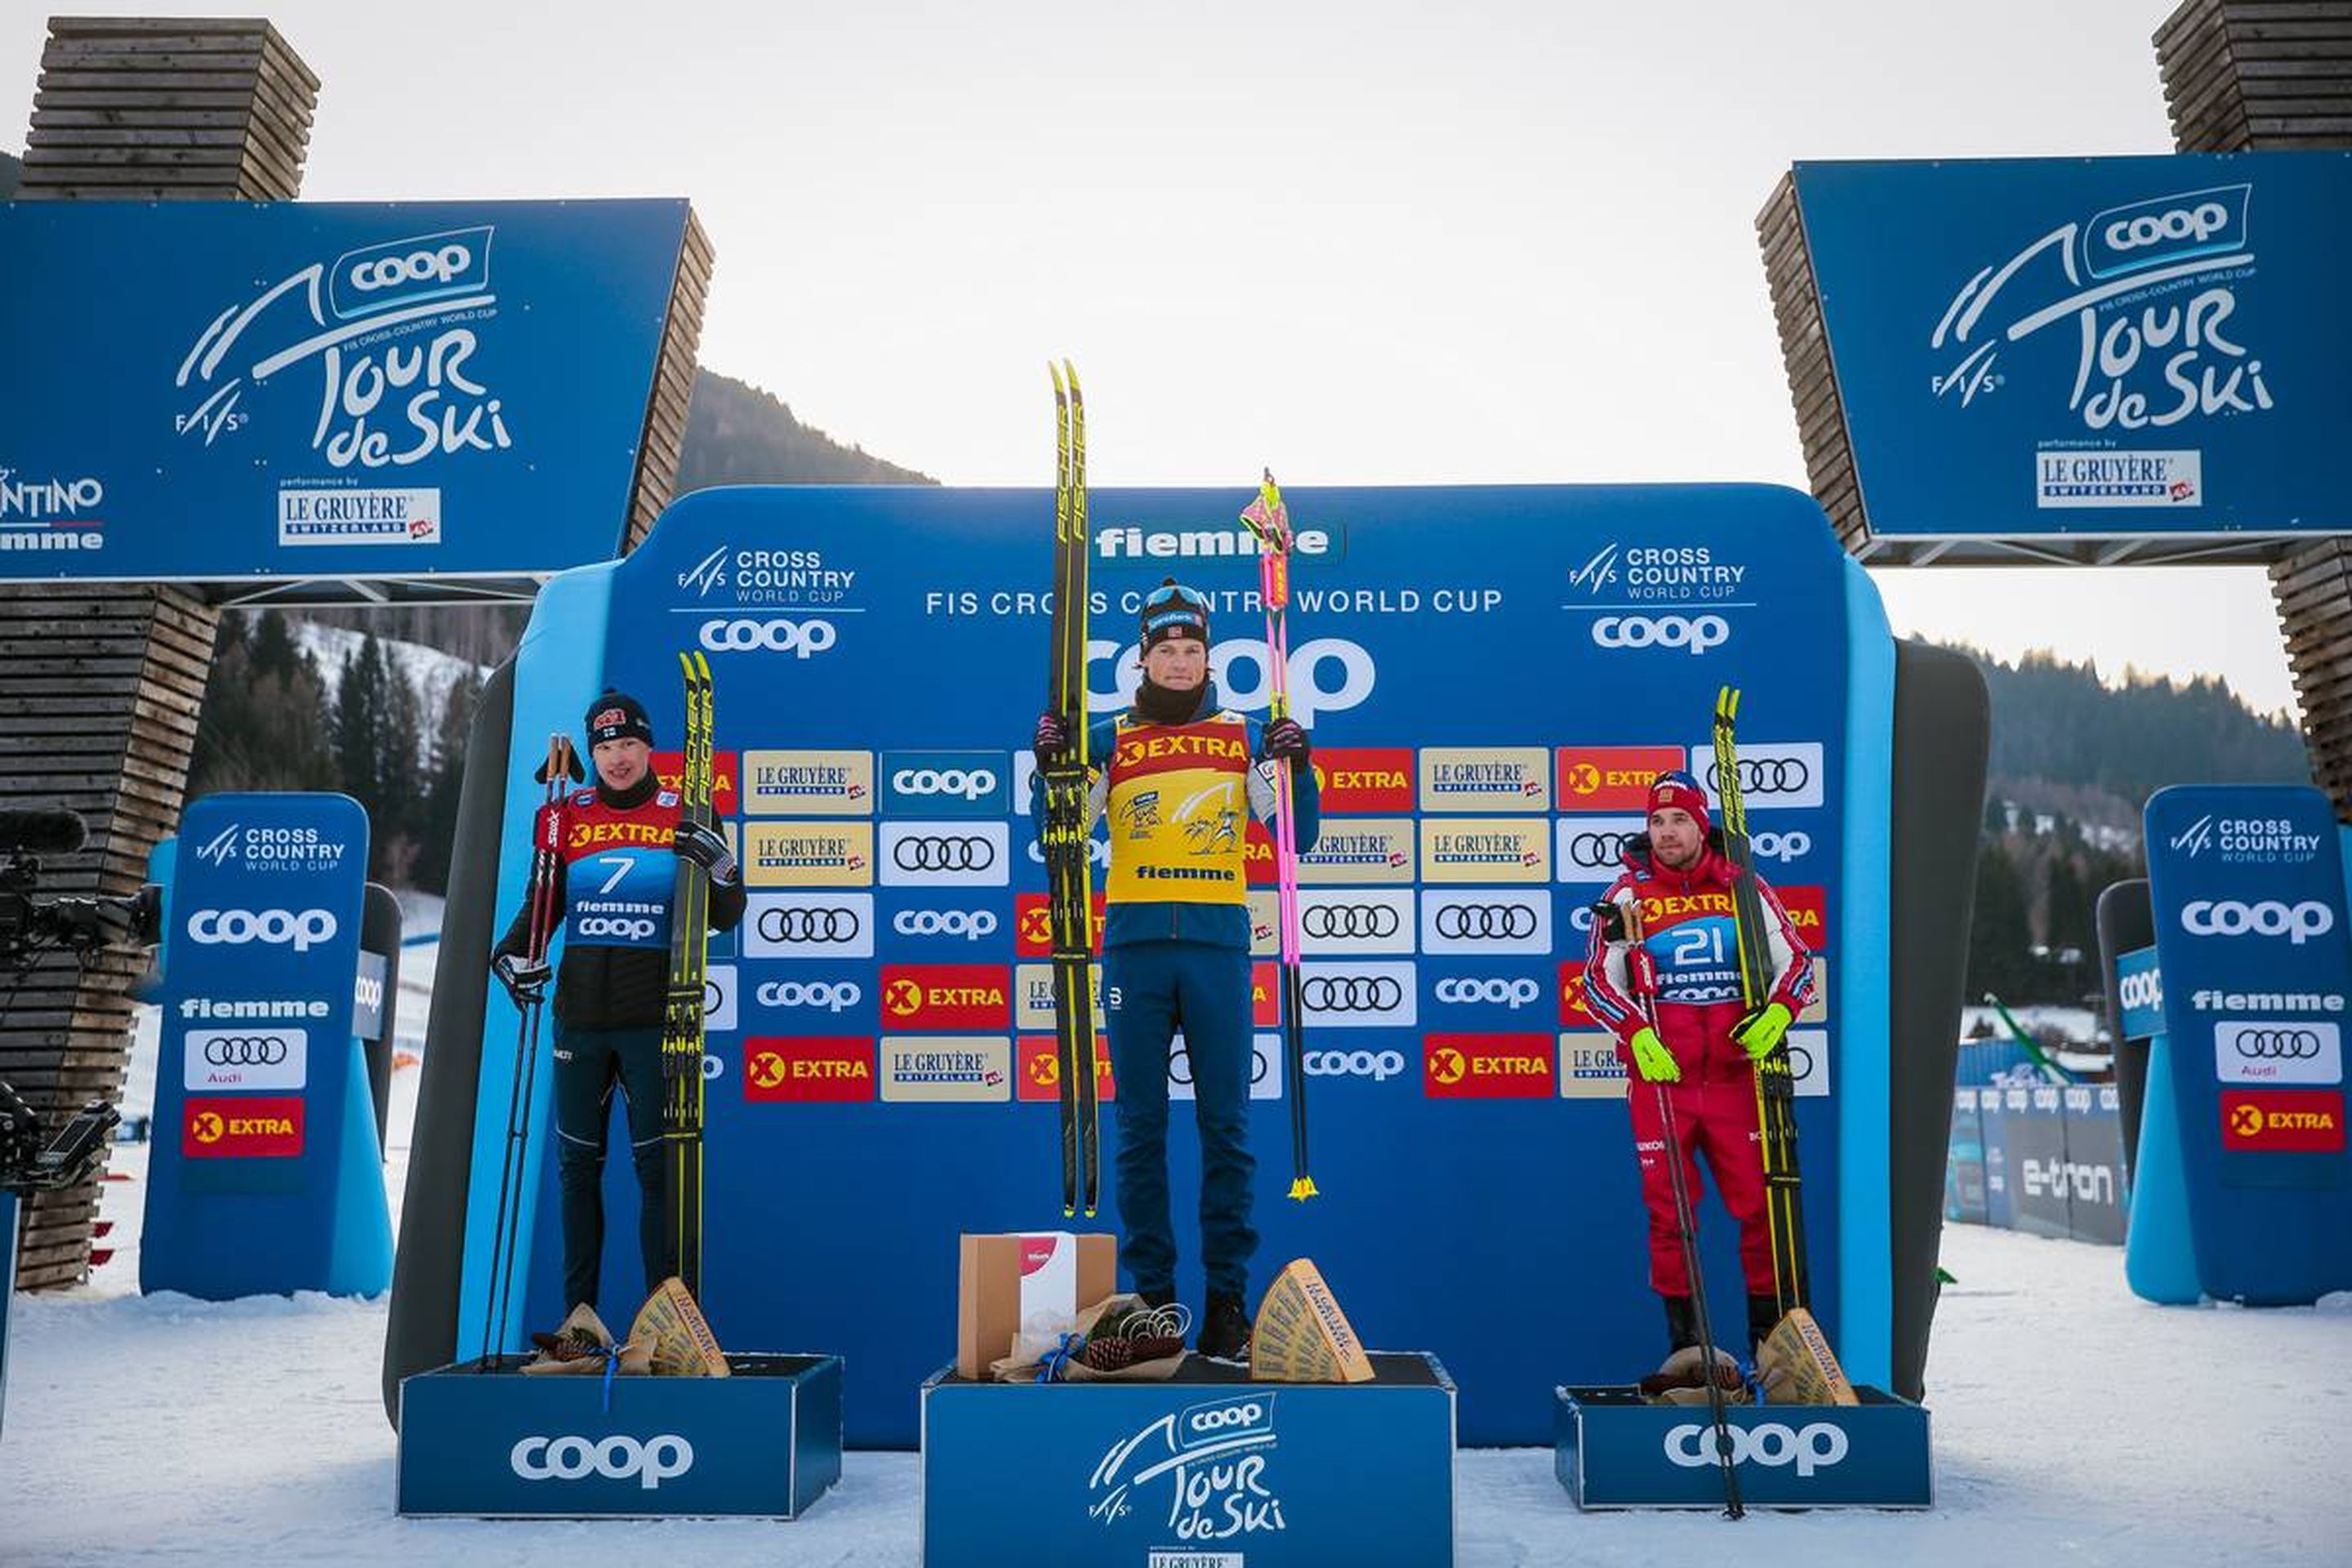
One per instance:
(1270, 520)
(682, 1008)
(546, 863)
(1776, 1080)
(1066, 822)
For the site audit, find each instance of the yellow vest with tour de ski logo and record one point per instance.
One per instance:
(1180, 808)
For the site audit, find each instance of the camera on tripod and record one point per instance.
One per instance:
(29, 923)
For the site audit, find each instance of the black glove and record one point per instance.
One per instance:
(525, 978)
(1285, 741)
(1052, 739)
(707, 848)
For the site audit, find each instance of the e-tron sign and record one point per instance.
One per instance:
(327, 390)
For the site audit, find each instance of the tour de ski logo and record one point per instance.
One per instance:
(1211, 1462)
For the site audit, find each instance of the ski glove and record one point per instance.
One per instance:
(1760, 1029)
(1052, 739)
(525, 978)
(1286, 740)
(707, 848)
(1652, 1060)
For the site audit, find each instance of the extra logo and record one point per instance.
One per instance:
(1486, 1066)
(1611, 778)
(301, 930)
(1212, 1460)
(1362, 994)
(1464, 778)
(947, 996)
(1039, 1070)
(808, 925)
(804, 1068)
(617, 1459)
(1342, 921)
(2302, 1051)
(1366, 779)
(1033, 925)
(2282, 1121)
(947, 784)
(2271, 918)
(241, 1127)
(935, 1069)
(946, 854)
(1487, 921)
(1692, 634)
(1816, 1446)
(269, 1057)
(1786, 774)
(1592, 848)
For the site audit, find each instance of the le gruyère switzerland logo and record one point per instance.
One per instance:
(2149, 288)
(411, 394)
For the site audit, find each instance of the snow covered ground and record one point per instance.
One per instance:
(2072, 1422)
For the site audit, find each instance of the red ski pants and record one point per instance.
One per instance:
(1716, 1116)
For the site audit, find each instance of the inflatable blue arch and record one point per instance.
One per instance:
(1489, 673)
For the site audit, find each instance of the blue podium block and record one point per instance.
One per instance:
(1207, 1470)
(1615, 1449)
(764, 1442)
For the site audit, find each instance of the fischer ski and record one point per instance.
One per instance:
(682, 1115)
(546, 860)
(1065, 824)
(1270, 520)
(1776, 1083)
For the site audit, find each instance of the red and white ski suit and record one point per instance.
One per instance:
(1690, 931)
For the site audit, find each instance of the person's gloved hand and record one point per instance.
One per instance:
(1052, 737)
(1651, 1060)
(707, 848)
(1758, 1030)
(525, 978)
(1286, 740)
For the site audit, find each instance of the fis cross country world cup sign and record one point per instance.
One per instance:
(325, 390)
(2090, 346)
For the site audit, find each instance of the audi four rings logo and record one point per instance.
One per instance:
(2296, 922)
(1512, 994)
(1780, 845)
(1693, 634)
(2289, 1044)
(808, 924)
(1593, 850)
(916, 853)
(628, 928)
(1765, 775)
(1331, 921)
(245, 1051)
(969, 924)
(1378, 1066)
(746, 634)
(301, 930)
(833, 996)
(1352, 994)
(1485, 923)
(618, 1458)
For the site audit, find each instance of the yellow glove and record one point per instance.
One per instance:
(1652, 1060)
(1759, 1031)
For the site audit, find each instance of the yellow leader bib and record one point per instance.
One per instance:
(1179, 806)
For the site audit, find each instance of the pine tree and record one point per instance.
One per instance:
(2000, 959)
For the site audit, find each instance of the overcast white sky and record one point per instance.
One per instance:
(1365, 242)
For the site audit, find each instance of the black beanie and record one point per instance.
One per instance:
(1172, 610)
(616, 716)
